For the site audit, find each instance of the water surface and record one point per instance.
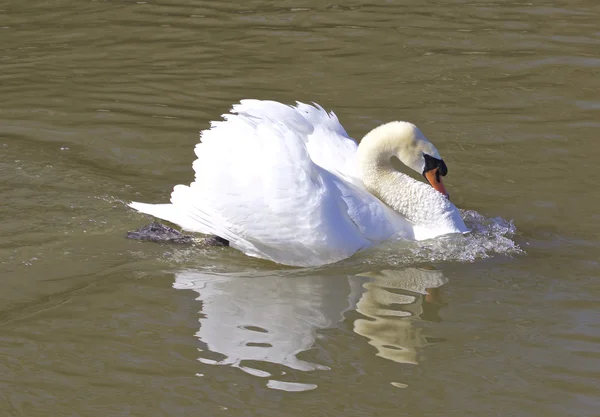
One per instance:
(102, 104)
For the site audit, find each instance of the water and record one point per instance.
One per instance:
(102, 104)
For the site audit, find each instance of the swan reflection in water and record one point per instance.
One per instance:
(272, 318)
(392, 301)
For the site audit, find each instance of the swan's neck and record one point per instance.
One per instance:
(416, 201)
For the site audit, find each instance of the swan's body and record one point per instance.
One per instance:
(289, 185)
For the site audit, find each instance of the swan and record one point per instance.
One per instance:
(287, 184)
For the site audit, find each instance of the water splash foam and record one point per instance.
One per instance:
(488, 237)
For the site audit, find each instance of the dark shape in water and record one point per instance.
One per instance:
(157, 232)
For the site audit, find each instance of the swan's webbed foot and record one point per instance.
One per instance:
(158, 232)
(215, 241)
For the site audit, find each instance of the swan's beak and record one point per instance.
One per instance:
(435, 179)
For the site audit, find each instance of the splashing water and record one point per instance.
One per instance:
(488, 237)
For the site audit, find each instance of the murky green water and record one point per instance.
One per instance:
(101, 104)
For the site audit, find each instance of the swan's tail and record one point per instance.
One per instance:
(193, 219)
(176, 214)
(166, 212)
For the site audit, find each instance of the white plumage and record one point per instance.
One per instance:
(286, 184)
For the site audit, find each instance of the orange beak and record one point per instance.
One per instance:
(435, 180)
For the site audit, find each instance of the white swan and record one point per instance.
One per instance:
(288, 184)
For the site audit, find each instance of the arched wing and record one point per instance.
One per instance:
(257, 186)
(327, 142)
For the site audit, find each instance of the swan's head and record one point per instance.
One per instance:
(406, 142)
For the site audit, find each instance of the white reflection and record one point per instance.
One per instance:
(266, 318)
(272, 318)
